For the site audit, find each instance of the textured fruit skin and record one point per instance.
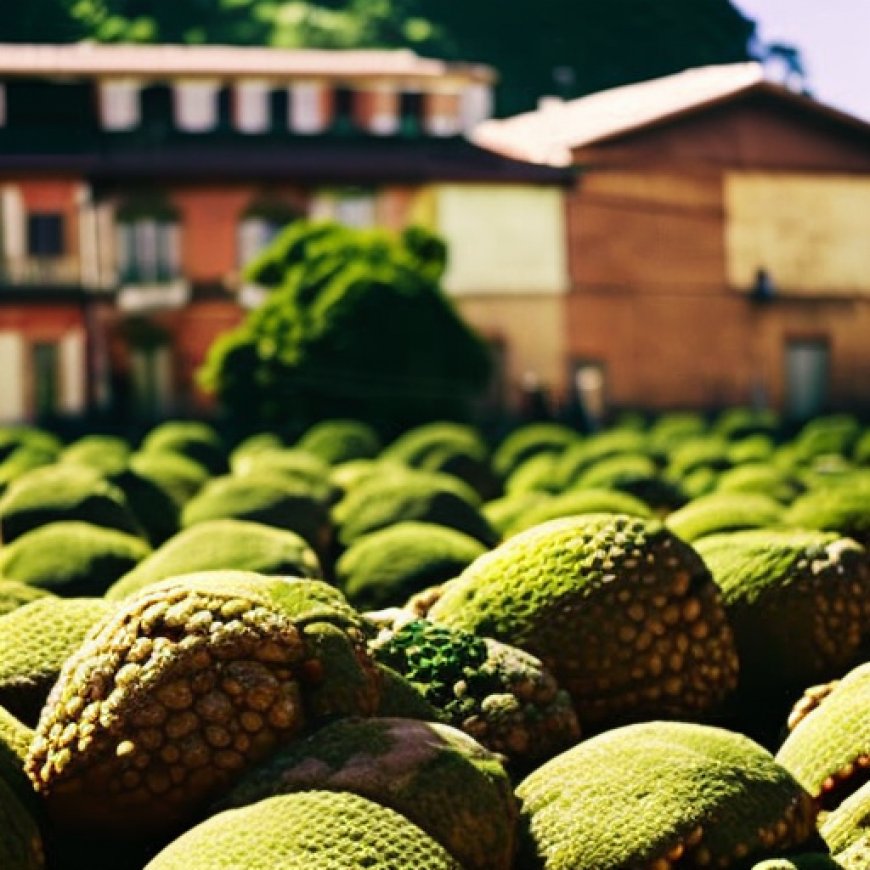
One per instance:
(810, 861)
(432, 774)
(723, 512)
(315, 830)
(184, 686)
(499, 694)
(577, 503)
(58, 493)
(849, 823)
(828, 751)
(799, 602)
(624, 614)
(15, 738)
(843, 509)
(35, 641)
(20, 841)
(337, 441)
(222, 544)
(673, 794)
(14, 595)
(531, 440)
(386, 567)
(191, 439)
(72, 558)
(262, 499)
(411, 496)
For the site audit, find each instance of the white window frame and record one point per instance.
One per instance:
(150, 249)
(476, 105)
(254, 234)
(251, 106)
(195, 105)
(307, 114)
(120, 104)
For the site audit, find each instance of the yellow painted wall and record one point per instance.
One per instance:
(531, 326)
(811, 232)
(503, 238)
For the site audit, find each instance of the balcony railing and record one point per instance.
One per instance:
(153, 295)
(41, 271)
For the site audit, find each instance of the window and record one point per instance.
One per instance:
(383, 110)
(476, 105)
(120, 107)
(807, 377)
(196, 106)
(307, 108)
(255, 232)
(45, 378)
(148, 250)
(45, 234)
(355, 209)
(442, 113)
(411, 112)
(251, 107)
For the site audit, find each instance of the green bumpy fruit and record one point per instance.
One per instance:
(315, 830)
(15, 738)
(337, 441)
(297, 468)
(761, 478)
(58, 493)
(187, 684)
(20, 841)
(531, 440)
(537, 474)
(434, 775)
(35, 641)
(502, 513)
(799, 602)
(222, 544)
(72, 559)
(624, 614)
(500, 695)
(723, 512)
(14, 595)
(844, 509)
(104, 453)
(262, 499)
(193, 440)
(828, 751)
(416, 445)
(661, 795)
(411, 496)
(577, 503)
(849, 823)
(386, 567)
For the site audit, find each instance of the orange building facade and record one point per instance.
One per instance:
(136, 181)
(718, 232)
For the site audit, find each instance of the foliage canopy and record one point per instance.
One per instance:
(356, 326)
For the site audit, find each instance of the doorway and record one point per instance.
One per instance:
(807, 377)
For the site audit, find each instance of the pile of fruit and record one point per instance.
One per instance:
(642, 649)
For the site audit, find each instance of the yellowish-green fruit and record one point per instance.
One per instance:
(218, 545)
(828, 751)
(265, 499)
(849, 823)
(723, 512)
(191, 439)
(186, 685)
(500, 695)
(14, 595)
(662, 795)
(799, 603)
(809, 861)
(63, 493)
(577, 503)
(434, 775)
(314, 830)
(71, 558)
(531, 440)
(35, 641)
(15, 738)
(337, 441)
(623, 613)
(385, 568)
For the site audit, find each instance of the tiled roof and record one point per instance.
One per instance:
(549, 134)
(92, 59)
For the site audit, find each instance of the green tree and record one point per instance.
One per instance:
(356, 325)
